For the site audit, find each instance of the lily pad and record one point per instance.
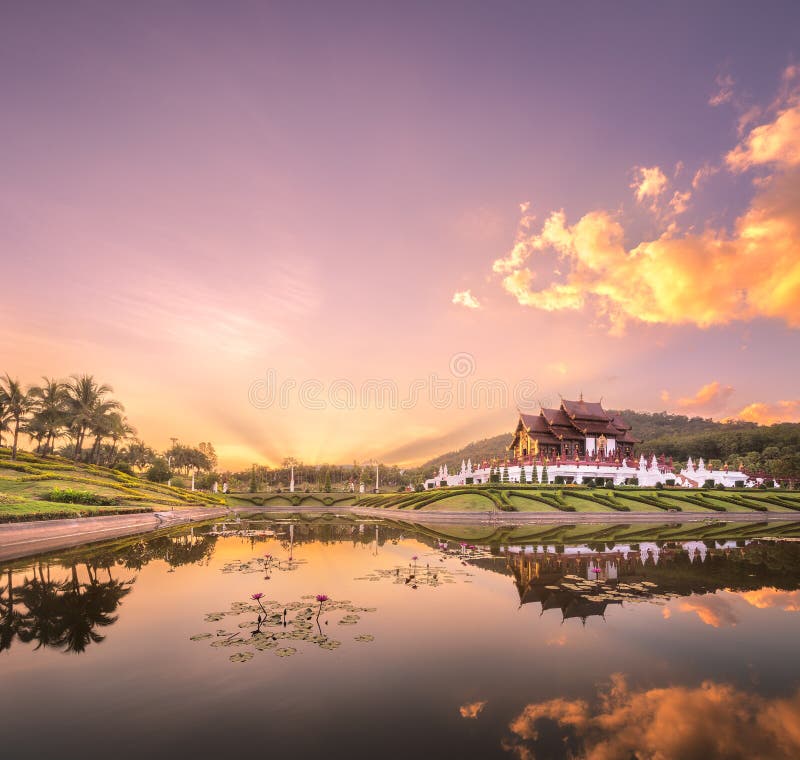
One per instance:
(364, 637)
(200, 636)
(241, 657)
(285, 651)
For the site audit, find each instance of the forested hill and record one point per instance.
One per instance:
(773, 448)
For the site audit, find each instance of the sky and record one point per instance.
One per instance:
(345, 231)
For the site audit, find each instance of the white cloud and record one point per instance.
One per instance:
(465, 298)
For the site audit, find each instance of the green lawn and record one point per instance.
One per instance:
(470, 502)
(26, 484)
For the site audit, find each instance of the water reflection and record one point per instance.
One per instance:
(713, 720)
(583, 581)
(65, 603)
(486, 657)
(66, 613)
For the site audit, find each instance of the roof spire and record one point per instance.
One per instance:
(580, 398)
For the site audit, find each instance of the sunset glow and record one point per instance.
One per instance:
(338, 199)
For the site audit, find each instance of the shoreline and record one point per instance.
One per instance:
(19, 540)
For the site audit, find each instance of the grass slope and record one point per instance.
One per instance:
(41, 488)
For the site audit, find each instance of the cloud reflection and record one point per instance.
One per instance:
(472, 709)
(710, 721)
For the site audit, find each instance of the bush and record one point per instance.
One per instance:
(159, 471)
(559, 480)
(72, 496)
(469, 481)
(659, 486)
(123, 467)
(670, 482)
(719, 487)
(709, 483)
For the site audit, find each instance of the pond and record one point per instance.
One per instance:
(328, 636)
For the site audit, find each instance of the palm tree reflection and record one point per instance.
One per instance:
(66, 606)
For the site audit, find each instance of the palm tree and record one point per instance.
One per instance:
(50, 413)
(3, 418)
(16, 403)
(86, 407)
(121, 430)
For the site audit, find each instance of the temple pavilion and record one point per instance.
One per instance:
(577, 430)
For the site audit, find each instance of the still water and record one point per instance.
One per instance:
(602, 641)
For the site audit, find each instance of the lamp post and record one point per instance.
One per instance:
(169, 460)
(376, 464)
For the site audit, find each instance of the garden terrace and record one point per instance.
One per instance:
(43, 488)
(548, 499)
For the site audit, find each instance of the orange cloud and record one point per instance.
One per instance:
(711, 395)
(706, 171)
(680, 201)
(708, 278)
(465, 298)
(777, 142)
(649, 182)
(472, 709)
(710, 721)
(713, 610)
(724, 91)
(766, 598)
(705, 279)
(769, 414)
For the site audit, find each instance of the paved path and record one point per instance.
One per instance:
(22, 539)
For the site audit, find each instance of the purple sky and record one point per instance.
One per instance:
(192, 194)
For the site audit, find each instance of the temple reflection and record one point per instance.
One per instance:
(584, 581)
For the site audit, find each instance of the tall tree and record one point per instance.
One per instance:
(86, 405)
(49, 411)
(121, 430)
(16, 403)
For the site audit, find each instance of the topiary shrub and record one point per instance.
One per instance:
(659, 486)
(669, 482)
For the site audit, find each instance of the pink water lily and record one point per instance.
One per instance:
(321, 598)
(257, 598)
